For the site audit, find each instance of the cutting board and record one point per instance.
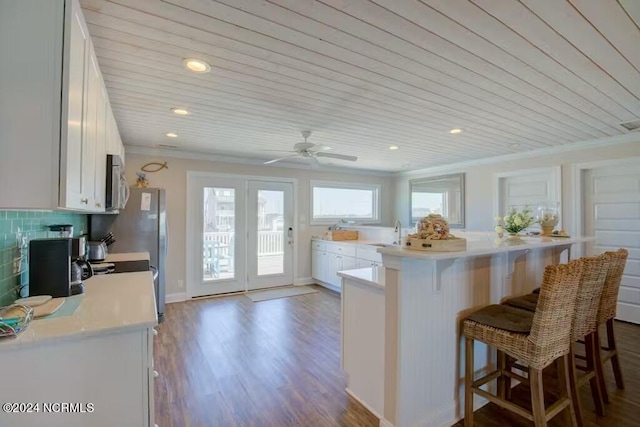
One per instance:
(48, 307)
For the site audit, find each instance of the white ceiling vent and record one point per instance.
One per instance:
(634, 125)
(167, 146)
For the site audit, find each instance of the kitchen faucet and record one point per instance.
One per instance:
(398, 233)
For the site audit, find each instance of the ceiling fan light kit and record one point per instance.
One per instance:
(312, 152)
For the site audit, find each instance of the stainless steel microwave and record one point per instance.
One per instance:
(117, 191)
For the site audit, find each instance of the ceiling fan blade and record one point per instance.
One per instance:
(337, 156)
(321, 147)
(278, 159)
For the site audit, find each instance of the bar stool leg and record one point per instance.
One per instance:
(615, 361)
(569, 413)
(537, 397)
(502, 366)
(594, 383)
(468, 382)
(600, 366)
(573, 387)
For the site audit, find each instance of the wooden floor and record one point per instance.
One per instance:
(623, 411)
(232, 362)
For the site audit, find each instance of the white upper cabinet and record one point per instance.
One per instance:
(71, 147)
(56, 122)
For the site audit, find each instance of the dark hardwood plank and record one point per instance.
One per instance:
(231, 362)
(623, 411)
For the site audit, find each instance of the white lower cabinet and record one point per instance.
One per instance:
(327, 258)
(108, 378)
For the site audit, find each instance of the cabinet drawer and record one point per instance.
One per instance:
(318, 246)
(345, 249)
(369, 253)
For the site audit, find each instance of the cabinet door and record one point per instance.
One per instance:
(363, 263)
(334, 263)
(73, 154)
(348, 263)
(100, 160)
(316, 264)
(93, 97)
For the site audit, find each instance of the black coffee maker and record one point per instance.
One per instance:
(56, 267)
(80, 267)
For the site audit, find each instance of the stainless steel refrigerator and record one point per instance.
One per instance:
(140, 227)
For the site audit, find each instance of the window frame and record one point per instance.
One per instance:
(375, 188)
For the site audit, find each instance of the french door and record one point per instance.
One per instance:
(270, 234)
(239, 234)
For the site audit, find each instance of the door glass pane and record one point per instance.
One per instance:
(271, 232)
(219, 215)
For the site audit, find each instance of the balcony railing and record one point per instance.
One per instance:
(269, 242)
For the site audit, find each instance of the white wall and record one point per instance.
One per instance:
(174, 181)
(479, 182)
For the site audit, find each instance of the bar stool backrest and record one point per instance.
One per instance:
(609, 301)
(551, 330)
(594, 273)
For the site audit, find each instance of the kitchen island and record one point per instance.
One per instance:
(101, 354)
(426, 296)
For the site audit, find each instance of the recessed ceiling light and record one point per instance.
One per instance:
(456, 130)
(180, 111)
(171, 134)
(196, 65)
(393, 147)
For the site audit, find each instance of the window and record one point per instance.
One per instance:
(333, 201)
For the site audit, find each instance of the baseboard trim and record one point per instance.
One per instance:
(177, 297)
(368, 408)
(385, 423)
(301, 281)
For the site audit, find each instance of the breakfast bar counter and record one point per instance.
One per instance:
(426, 296)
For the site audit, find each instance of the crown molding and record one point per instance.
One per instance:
(222, 158)
(461, 166)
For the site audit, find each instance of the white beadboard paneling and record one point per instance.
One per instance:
(367, 74)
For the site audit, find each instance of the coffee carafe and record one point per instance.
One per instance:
(80, 267)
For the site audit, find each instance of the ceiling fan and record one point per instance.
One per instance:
(311, 151)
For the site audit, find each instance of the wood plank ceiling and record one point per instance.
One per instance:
(365, 75)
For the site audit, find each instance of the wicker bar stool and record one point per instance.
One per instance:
(584, 327)
(606, 314)
(547, 339)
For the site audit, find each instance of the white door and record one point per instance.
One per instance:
(270, 234)
(612, 214)
(216, 235)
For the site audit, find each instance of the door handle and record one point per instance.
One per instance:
(290, 232)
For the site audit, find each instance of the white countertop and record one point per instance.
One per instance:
(487, 247)
(371, 243)
(111, 303)
(128, 256)
(372, 276)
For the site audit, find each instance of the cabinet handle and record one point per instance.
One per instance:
(98, 205)
(84, 201)
(155, 374)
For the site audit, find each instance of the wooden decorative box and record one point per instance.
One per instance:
(341, 235)
(449, 245)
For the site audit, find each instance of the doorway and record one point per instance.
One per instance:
(240, 233)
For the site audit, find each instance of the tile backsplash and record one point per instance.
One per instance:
(16, 229)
